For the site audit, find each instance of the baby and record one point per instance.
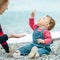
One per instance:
(41, 35)
(41, 38)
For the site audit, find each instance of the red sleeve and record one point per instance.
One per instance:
(1, 32)
(4, 43)
(47, 37)
(32, 24)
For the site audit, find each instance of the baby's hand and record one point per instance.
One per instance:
(40, 41)
(33, 14)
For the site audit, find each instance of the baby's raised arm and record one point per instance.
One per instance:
(31, 21)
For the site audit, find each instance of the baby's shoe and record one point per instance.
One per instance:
(37, 55)
(33, 52)
(16, 54)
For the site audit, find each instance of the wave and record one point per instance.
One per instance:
(28, 38)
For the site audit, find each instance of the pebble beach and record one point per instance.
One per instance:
(54, 55)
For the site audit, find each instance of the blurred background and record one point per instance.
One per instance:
(16, 18)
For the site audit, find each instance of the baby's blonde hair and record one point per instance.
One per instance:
(52, 23)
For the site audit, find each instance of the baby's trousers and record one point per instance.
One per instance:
(25, 50)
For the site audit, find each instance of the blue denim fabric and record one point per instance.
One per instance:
(42, 49)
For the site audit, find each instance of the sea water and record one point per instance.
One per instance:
(18, 21)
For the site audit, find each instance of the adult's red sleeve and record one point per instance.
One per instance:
(1, 31)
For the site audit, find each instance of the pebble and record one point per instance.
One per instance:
(54, 55)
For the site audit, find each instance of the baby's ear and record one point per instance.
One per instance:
(47, 25)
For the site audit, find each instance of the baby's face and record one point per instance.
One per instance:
(44, 21)
(3, 8)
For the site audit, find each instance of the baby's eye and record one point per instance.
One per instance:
(43, 18)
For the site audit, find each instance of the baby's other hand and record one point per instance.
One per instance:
(33, 14)
(40, 41)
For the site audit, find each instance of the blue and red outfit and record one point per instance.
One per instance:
(38, 33)
(3, 39)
